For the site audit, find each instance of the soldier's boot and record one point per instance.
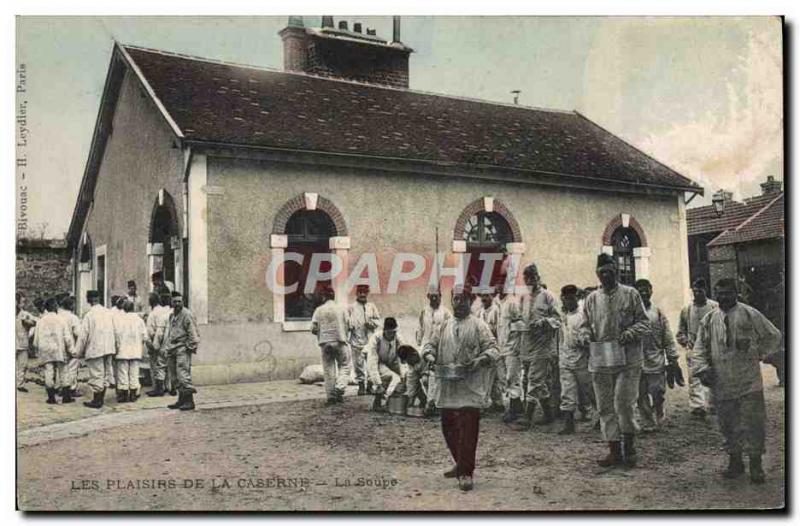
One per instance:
(188, 402)
(451, 473)
(757, 475)
(547, 415)
(158, 390)
(526, 422)
(376, 403)
(119, 396)
(133, 395)
(123, 396)
(569, 424)
(97, 400)
(369, 388)
(614, 457)
(514, 409)
(629, 449)
(735, 466)
(66, 395)
(659, 409)
(51, 396)
(179, 402)
(75, 393)
(362, 390)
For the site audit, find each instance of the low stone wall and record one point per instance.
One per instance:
(42, 268)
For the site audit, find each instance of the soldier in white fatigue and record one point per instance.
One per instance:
(730, 344)
(156, 328)
(688, 325)
(330, 323)
(24, 321)
(614, 324)
(364, 319)
(490, 314)
(65, 311)
(660, 366)
(130, 333)
(431, 316)
(573, 362)
(383, 364)
(96, 345)
(54, 342)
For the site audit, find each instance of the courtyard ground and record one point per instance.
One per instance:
(275, 446)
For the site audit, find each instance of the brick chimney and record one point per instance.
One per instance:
(771, 186)
(329, 51)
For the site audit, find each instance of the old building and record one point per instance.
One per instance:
(210, 171)
(43, 268)
(744, 241)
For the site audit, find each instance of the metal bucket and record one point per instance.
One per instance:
(397, 405)
(451, 371)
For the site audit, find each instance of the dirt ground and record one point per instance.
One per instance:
(304, 456)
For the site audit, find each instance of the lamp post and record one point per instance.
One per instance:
(719, 203)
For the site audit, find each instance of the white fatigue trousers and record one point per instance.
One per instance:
(513, 376)
(54, 375)
(699, 395)
(335, 355)
(22, 364)
(616, 391)
(100, 370)
(359, 360)
(128, 374)
(71, 373)
(389, 379)
(576, 387)
(183, 370)
(500, 381)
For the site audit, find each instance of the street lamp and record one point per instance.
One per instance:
(719, 203)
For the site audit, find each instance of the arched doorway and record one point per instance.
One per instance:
(165, 249)
(625, 241)
(85, 258)
(308, 232)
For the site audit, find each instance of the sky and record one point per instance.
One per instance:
(702, 95)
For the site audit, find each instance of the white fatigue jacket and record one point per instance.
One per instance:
(96, 337)
(130, 334)
(428, 320)
(689, 321)
(459, 341)
(23, 323)
(571, 355)
(529, 308)
(490, 316)
(658, 347)
(53, 339)
(608, 314)
(73, 322)
(506, 309)
(382, 352)
(733, 343)
(330, 323)
(157, 325)
(364, 319)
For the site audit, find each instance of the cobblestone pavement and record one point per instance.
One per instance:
(39, 422)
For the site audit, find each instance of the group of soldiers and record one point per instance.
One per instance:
(112, 342)
(607, 352)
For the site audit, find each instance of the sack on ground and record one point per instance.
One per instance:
(312, 374)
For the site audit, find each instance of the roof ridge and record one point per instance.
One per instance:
(648, 155)
(760, 211)
(348, 81)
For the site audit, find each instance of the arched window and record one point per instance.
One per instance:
(623, 241)
(486, 232)
(308, 232)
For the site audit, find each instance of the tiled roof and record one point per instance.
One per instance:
(766, 223)
(703, 219)
(247, 106)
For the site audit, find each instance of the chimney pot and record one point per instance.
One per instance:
(357, 27)
(343, 24)
(396, 29)
(327, 21)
